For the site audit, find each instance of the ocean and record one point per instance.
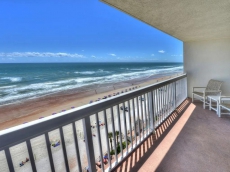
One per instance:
(30, 80)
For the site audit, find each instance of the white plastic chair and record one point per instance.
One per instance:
(213, 88)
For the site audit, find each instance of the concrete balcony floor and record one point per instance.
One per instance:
(191, 139)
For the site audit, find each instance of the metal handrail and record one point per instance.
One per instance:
(147, 107)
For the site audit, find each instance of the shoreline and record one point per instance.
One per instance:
(32, 109)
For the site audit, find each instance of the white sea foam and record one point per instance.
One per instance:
(137, 69)
(92, 72)
(5, 87)
(12, 79)
(86, 72)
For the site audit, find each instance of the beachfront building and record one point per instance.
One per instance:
(160, 130)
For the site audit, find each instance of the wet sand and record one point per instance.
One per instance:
(32, 109)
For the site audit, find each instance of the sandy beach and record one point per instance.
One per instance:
(33, 109)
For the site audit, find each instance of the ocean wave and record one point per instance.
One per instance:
(137, 69)
(92, 72)
(86, 72)
(12, 79)
(10, 86)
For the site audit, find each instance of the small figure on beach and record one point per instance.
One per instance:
(126, 109)
(98, 164)
(106, 156)
(55, 143)
(141, 98)
(23, 162)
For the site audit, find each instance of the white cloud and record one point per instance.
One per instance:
(112, 55)
(161, 51)
(175, 55)
(152, 54)
(40, 54)
(93, 56)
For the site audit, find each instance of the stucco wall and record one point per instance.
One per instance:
(206, 60)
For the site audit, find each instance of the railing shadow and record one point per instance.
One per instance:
(135, 160)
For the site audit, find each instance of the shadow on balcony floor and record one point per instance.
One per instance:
(191, 139)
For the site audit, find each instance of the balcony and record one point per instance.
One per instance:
(78, 139)
(191, 139)
(172, 134)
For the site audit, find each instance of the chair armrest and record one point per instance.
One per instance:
(224, 98)
(212, 91)
(197, 87)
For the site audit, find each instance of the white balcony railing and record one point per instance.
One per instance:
(77, 139)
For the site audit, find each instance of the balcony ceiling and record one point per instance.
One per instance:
(186, 20)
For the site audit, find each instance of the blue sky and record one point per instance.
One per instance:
(79, 31)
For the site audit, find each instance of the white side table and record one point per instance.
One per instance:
(214, 99)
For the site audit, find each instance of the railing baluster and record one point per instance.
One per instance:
(89, 143)
(159, 108)
(154, 93)
(171, 97)
(99, 141)
(31, 155)
(167, 101)
(9, 160)
(107, 139)
(120, 134)
(114, 137)
(163, 102)
(142, 119)
(146, 115)
(174, 92)
(64, 149)
(130, 125)
(125, 127)
(169, 89)
(77, 147)
(147, 111)
(49, 152)
(134, 119)
(151, 111)
(156, 107)
(138, 119)
(165, 106)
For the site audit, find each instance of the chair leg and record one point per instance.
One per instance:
(192, 97)
(219, 111)
(204, 103)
